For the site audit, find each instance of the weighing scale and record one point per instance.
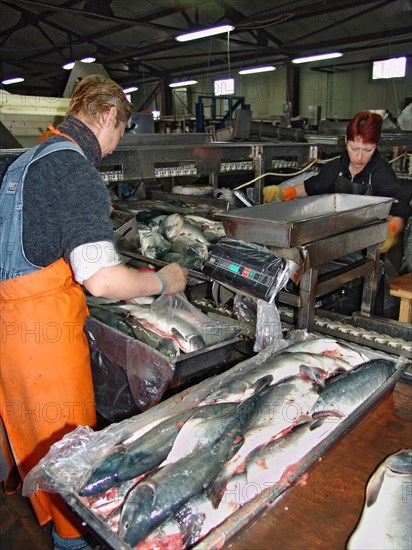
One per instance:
(246, 267)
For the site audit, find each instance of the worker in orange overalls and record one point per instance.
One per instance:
(56, 235)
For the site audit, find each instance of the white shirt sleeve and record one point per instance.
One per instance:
(87, 259)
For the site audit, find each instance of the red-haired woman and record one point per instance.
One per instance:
(361, 170)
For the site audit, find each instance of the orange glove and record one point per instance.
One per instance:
(394, 228)
(274, 192)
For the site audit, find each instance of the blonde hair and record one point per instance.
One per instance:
(96, 94)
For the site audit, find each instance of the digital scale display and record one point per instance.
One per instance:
(244, 266)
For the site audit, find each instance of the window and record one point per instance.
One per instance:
(389, 68)
(225, 86)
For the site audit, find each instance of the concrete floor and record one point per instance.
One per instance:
(18, 526)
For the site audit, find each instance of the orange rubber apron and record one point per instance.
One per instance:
(46, 387)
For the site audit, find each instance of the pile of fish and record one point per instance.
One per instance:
(173, 484)
(386, 520)
(169, 324)
(181, 237)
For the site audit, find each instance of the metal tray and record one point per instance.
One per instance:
(303, 220)
(129, 376)
(269, 497)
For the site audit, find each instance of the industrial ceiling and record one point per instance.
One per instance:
(135, 40)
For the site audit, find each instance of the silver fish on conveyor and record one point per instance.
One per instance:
(193, 262)
(153, 245)
(155, 222)
(313, 366)
(186, 335)
(189, 247)
(171, 226)
(346, 392)
(328, 346)
(193, 231)
(284, 406)
(162, 493)
(386, 520)
(114, 316)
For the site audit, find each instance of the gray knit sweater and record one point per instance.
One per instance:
(65, 201)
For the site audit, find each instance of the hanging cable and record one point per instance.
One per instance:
(228, 51)
(275, 174)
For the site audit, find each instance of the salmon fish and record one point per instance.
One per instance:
(162, 493)
(284, 406)
(386, 520)
(314, 366)
(346, 392)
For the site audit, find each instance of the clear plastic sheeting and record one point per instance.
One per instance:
(176, 309)
(71, 459)
(268, 326)
(128, 375)
(245, 310)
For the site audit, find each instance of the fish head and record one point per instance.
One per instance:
(104, 475)
(401, 462)
(135, 519)
(188, 342)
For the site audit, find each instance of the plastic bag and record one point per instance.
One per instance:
(268, 326)
(245, 310)
(192, 327)
(118, 360)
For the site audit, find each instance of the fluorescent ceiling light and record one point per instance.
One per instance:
(70, 65)
(205, 32)
(182, 84)
(257, 70)
(13, 80)
(317, 57)
(130, 89)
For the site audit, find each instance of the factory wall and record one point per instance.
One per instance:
(339, 93)
(346, 93)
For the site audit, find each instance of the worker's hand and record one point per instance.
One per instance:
(395, 227)
(175, 278)
(274, 192)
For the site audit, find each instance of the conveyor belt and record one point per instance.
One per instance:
(351, 329)
(363, 331)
